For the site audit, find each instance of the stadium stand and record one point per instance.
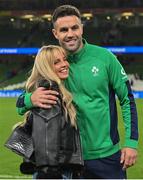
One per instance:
(136, 83)
(106, 23)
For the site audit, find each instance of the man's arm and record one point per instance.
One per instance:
(23, 103)
(39, 98)
(121, 85)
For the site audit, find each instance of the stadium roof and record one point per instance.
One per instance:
(81, 4)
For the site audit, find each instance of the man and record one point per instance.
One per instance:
(95, 77)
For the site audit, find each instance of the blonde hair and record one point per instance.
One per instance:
(44, 68)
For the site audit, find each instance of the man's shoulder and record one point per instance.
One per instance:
(98, 49)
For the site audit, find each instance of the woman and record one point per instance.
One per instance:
(54, 131)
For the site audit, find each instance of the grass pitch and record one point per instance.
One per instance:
(9, 162)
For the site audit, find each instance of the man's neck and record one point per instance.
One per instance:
(74, 52)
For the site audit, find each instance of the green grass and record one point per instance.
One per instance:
(135, 172)
(9, 162)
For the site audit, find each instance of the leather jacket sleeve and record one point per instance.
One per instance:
(46, 130)
(46, 135)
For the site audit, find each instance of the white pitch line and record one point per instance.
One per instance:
(14, 177)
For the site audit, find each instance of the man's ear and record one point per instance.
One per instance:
(82, 28)
(55, 33)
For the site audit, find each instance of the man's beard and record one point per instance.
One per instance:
(73, 48)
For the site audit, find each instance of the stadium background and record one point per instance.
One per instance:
(25, 25)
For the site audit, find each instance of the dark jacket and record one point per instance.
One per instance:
(55, 141)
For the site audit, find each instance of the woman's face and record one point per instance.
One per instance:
(61, 66)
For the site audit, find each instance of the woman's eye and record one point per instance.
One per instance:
(56, 62)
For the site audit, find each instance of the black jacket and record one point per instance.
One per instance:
(55, 141)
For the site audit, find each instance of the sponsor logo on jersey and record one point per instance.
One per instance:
(123, 73)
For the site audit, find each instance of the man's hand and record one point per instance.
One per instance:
(44, 98)
(128, 157)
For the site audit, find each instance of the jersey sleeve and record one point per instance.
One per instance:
(24, 103)
(120, 83)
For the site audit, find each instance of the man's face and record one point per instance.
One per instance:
(68, 30)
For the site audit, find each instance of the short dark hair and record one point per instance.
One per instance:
(65, 10)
